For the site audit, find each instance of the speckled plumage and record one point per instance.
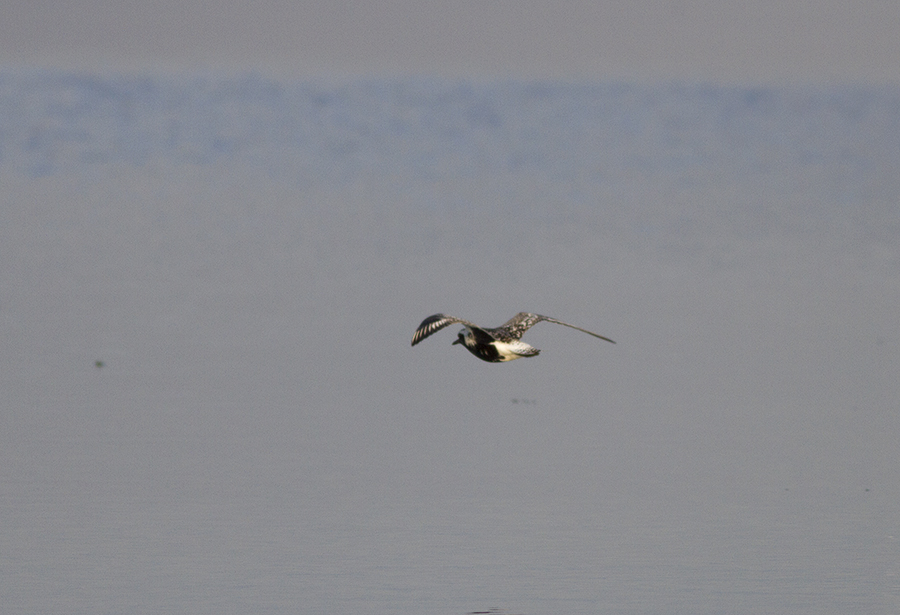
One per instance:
(494, 345)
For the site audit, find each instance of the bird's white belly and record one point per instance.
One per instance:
(509, 351)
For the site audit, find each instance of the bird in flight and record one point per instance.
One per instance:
(495, 345)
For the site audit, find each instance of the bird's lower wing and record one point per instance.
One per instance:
(435, 323)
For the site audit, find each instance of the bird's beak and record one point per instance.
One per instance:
(456, 341)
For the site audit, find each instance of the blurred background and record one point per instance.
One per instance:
(221, 224)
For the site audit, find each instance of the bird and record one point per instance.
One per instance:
(494, 345)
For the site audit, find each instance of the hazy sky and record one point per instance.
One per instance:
(730, 40)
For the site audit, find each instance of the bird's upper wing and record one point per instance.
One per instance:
(515, 327)
(435, 323)
(565, 324)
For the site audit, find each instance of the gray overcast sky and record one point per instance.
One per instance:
(730, 40)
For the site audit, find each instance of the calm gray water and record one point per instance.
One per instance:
(208, 287)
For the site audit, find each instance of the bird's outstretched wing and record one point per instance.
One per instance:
(435, 323)
(515, 327)
(523, 321)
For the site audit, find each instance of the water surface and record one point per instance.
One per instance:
(208, 286)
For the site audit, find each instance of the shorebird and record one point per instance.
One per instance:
(495, 345)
